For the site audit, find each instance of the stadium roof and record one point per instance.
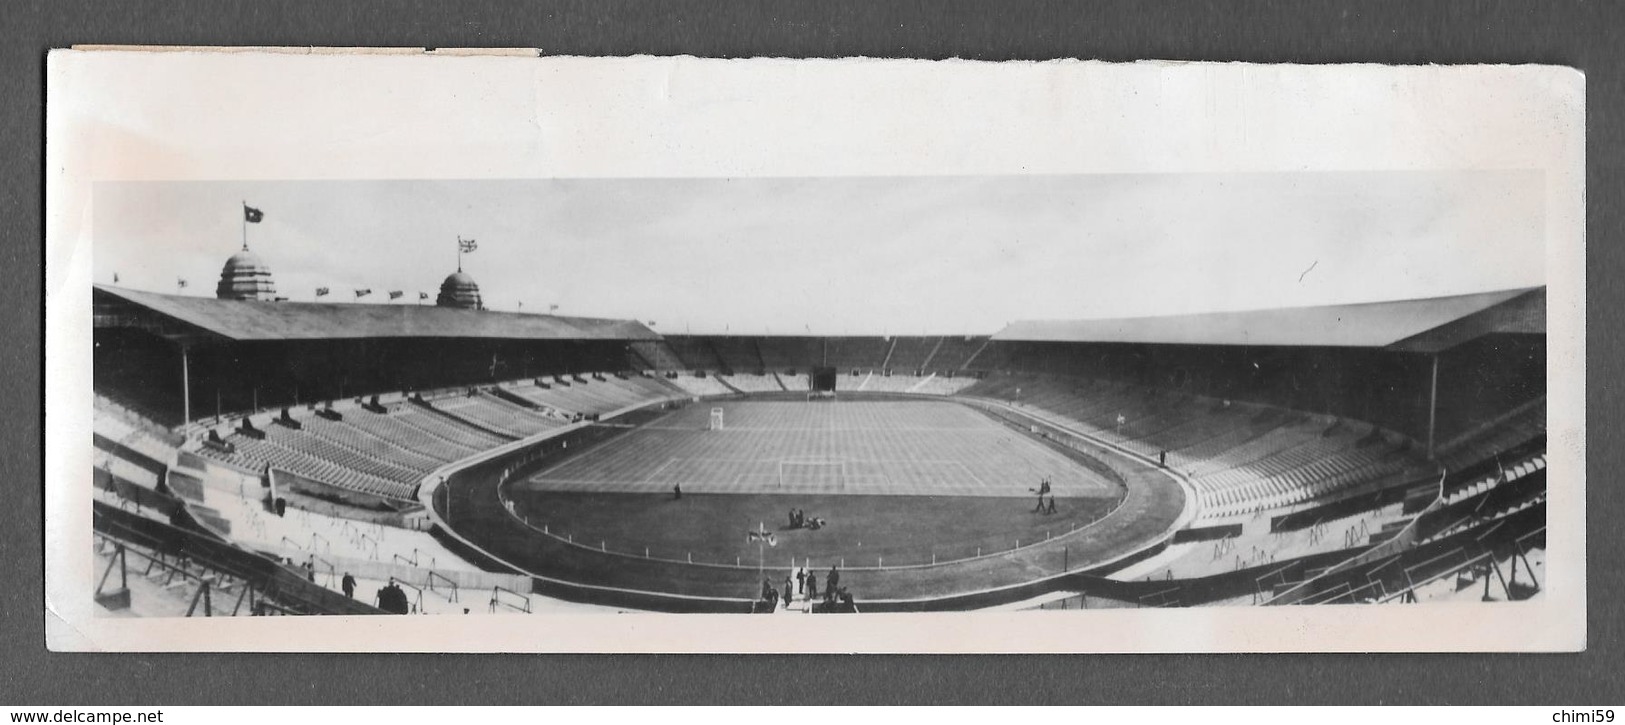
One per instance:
(1419, 325)
(187, 318)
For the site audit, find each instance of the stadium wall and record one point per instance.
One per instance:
(778, 353)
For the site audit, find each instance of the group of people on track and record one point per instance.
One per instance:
(806, 583)
(1044, 507)
(799, 520)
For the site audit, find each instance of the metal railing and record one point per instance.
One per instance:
(446, 583)
(510, 599)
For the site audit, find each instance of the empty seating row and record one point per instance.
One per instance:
(753, 383)
(939, 385)
(446, 428)
(1240, 458)
(147, 443)
(358, 439)
(254, 454)
(492, 413)
(393, 427)
(1525, 423)
(594, 396)
(326, 449)
(699, 386)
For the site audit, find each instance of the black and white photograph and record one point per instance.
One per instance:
(979, 357)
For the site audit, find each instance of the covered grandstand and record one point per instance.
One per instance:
(1274, 456)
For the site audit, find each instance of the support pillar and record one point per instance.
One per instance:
(1433, 404)
(186, 388)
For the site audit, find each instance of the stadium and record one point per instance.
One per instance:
(256, 455)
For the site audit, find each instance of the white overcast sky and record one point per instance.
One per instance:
(861, 255)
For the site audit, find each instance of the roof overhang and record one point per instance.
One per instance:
(1417, 325)
(198, 319)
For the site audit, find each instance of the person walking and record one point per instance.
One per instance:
(801, 580)
(812, 585)
(348, 583)
(831, 581)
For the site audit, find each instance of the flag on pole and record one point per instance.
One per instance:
(252, 215)
(180, 282)
(423, 295)
(762, 534)
(467, 245)
(551, 308)
(362, 293)
(395, 294)
(322, 291)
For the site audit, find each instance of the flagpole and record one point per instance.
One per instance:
(245, 225)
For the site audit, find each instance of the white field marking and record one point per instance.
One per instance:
(651, 477)
(971, 473)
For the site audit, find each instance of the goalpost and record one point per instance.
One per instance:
(817, 473)
(716, 419)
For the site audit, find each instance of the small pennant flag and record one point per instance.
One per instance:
(651, 323)
(467, 245)
(322, 291)
(551, 308)
(423, 295)
(362, 293)
(395, 294)
(252, 215)
(180, 282)
(762, 534)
